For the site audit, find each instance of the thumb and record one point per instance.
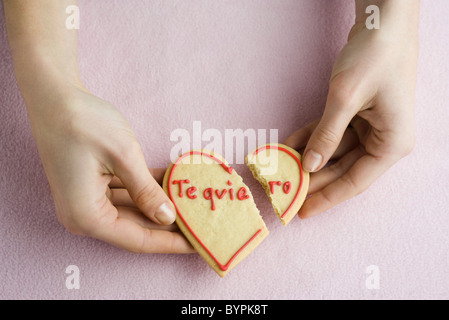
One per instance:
(328, 133)
(146, 193)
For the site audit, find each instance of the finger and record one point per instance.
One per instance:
(348, 142)
(146, 193)
(299, 138)
(327, 135)
(362, 128)
(157, 173)
(127, 209)
(134, 214)
(131, 236)
(116, 183)
(327, 175)
(121, 197)
(364, 172)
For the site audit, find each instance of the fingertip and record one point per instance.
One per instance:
(165, 214)
(311, 207)
(176, 243)
(302, 214)
(312, 161)
(184, 246)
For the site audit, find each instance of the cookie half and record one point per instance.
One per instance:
(215, 209)
(278, 169)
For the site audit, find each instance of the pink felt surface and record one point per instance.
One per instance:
(233, 64)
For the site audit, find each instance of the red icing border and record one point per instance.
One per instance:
(300, 170)
(229, 170)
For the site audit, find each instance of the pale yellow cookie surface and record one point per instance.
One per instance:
(278, 168)
(215, 209)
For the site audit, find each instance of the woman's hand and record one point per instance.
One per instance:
(98, 176)
(97, 173)
(372, 90)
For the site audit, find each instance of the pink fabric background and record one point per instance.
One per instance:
(233, 64)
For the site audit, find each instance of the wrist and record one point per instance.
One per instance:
(43, 81)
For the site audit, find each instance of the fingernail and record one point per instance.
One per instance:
(312, 161)
(165, 214)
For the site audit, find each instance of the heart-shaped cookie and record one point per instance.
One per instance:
(215, 209)
(278, 168)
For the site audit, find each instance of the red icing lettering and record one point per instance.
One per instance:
(223, 266)
(209, 195)
(272, 184)
(231, 194)
(268, 147)
(180, 182)
(190, 193)
(287, 187)
(223, 193)
(242, 194)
